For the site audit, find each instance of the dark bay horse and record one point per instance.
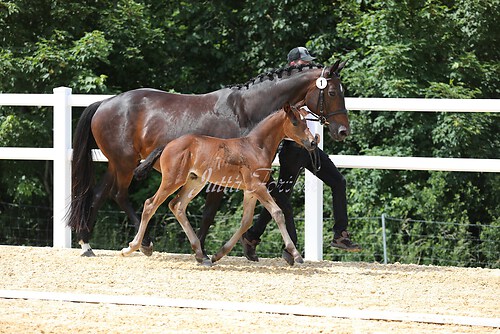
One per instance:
(129, 126)
(242, 163)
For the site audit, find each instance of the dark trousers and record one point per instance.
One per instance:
(293, 159)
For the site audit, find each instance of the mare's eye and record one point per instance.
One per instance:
(331, 93)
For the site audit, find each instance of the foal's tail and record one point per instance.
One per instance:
(141, 171)
(82, 171)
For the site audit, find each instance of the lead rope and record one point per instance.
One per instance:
(315, 160)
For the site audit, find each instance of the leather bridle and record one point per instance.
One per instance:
(321, 84)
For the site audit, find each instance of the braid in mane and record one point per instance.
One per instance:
(272, 74)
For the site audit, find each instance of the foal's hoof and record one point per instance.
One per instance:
(147, 250)
(206, 262)
(88, 253)
(203, 259)
(299, 260)
(215, 258)
(288, 257)
(126, 251)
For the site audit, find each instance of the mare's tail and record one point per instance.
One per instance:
(82, 171)
(141, 171)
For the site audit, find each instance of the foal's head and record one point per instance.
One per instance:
(296, 128)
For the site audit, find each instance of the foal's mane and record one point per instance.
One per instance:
(273, 74)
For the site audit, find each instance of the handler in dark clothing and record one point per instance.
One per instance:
(293, 159)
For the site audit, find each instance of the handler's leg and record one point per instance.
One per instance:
(331, 176)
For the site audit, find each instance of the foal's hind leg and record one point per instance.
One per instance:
(121, 196)
(178, 206)
(150, 207)
(249, 202)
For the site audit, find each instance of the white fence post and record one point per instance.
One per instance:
(313, 229)
(62, 165)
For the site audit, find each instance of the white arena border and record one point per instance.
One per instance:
(252, 307)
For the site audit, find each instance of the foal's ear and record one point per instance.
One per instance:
(291, 114)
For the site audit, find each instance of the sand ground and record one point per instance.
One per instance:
(451, 291)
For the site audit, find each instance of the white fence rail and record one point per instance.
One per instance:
(63, 100)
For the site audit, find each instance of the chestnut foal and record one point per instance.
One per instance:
(241, 163)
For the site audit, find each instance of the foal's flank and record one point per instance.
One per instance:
(193, 160)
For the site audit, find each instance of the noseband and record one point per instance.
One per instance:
(321, 84)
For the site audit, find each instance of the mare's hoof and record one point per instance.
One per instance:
(299, 260)
(88, 253)
(147, 250)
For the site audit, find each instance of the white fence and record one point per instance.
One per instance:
(63, 100)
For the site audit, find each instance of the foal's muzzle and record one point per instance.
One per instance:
(311, 145)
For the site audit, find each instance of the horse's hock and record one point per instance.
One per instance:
(365, 288)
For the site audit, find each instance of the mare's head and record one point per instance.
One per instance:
(296, 128)
(325, 98)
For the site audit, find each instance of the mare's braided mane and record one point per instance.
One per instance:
(272, 74)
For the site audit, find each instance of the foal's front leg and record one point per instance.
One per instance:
(249, 202)
(268, 202)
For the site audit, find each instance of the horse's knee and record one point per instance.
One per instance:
(171, 205)
(175, 206)
(278, 215)
(148, 206)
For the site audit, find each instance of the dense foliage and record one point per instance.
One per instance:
(408, 48)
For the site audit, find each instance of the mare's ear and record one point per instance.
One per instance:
(341, 66)
(337, 67)
(334, 68)
(291, 114)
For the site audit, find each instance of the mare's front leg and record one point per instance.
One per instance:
(249, 202)
(178, 206)
(212, 204)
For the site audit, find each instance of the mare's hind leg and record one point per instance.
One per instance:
(123, 180)
(100, 194)
(212, 204)
(249, 202)
(178, 206)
